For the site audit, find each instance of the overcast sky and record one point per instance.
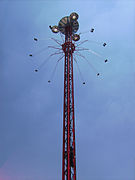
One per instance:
(31, 109)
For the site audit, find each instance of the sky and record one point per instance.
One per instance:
(31, 109)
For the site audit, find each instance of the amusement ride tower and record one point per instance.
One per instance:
(68, 26)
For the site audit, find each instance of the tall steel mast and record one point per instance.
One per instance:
(68, 26)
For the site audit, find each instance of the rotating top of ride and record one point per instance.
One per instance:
(68, 21)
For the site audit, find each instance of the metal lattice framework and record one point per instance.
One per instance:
(68, 26)
(69, 157)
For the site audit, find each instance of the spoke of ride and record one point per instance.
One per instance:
(53, 47)
(91, 41)
(57, 41)
(94, 69)
(54, 70)
(46, 60)
(81, 43)
(91, 51)
(38, 52)
(78, 68)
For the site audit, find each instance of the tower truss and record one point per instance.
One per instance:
(69, 157)
(68, 26)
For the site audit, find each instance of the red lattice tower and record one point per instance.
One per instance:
(68, 26)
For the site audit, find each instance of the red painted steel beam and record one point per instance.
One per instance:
(63, 158)
(69, 158)
(68, 109)
(73, 117)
